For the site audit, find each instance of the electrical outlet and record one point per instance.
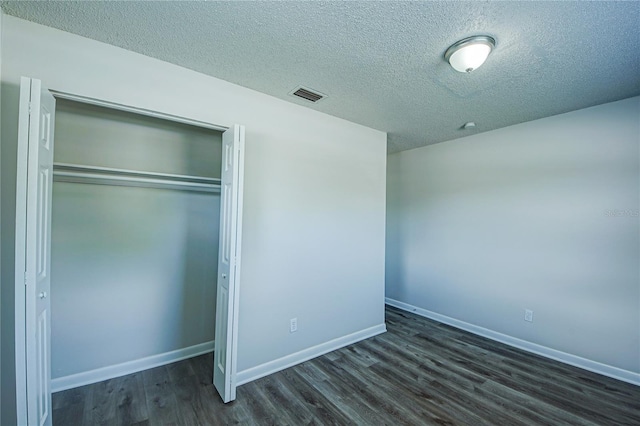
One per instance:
(528, 315)
(293, 325)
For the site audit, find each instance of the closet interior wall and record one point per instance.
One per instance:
(134, 268)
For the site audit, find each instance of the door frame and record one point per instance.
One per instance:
(20, 239)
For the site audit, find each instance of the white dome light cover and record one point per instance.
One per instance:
(470, 53)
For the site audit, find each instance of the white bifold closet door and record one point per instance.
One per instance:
(225, 354)
(33, 255)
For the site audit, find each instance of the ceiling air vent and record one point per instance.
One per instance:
(307, 94)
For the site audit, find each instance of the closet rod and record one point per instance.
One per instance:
(121, 177)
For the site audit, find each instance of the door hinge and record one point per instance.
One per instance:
(29, 107)
(25, 279)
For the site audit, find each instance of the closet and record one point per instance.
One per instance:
(134, 251)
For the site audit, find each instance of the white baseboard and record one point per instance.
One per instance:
(129, 367)
(576, 361)
(254, 373)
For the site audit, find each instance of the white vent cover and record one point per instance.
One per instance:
(307, 94)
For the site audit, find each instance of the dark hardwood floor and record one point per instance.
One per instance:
(420, 372)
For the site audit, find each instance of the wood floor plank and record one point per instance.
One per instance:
(279, 396)
(257, 409)
(323, 409)
(179, 370)
(445, 384)
(428, 397)
(131, 401)
(360, 390)
(160, 396)
(102, 411)
(545, 391)
(420, 372)
(206, 404)
(70, 397)
(68, 414)
(185, 388)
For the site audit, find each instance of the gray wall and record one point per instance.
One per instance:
(103, 137)
(134, 270)
(10, 98)
(541, 215)
(314, 199)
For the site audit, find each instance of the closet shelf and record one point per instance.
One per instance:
(95, 175)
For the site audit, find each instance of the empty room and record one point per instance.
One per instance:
(230, 212)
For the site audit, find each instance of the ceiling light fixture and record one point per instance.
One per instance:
(470, 53)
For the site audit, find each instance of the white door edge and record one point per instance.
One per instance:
(20, 255)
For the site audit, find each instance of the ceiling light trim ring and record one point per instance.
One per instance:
(488, 40)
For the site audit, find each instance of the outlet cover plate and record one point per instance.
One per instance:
(528, 315)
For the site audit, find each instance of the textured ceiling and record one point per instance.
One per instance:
(381, 63)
